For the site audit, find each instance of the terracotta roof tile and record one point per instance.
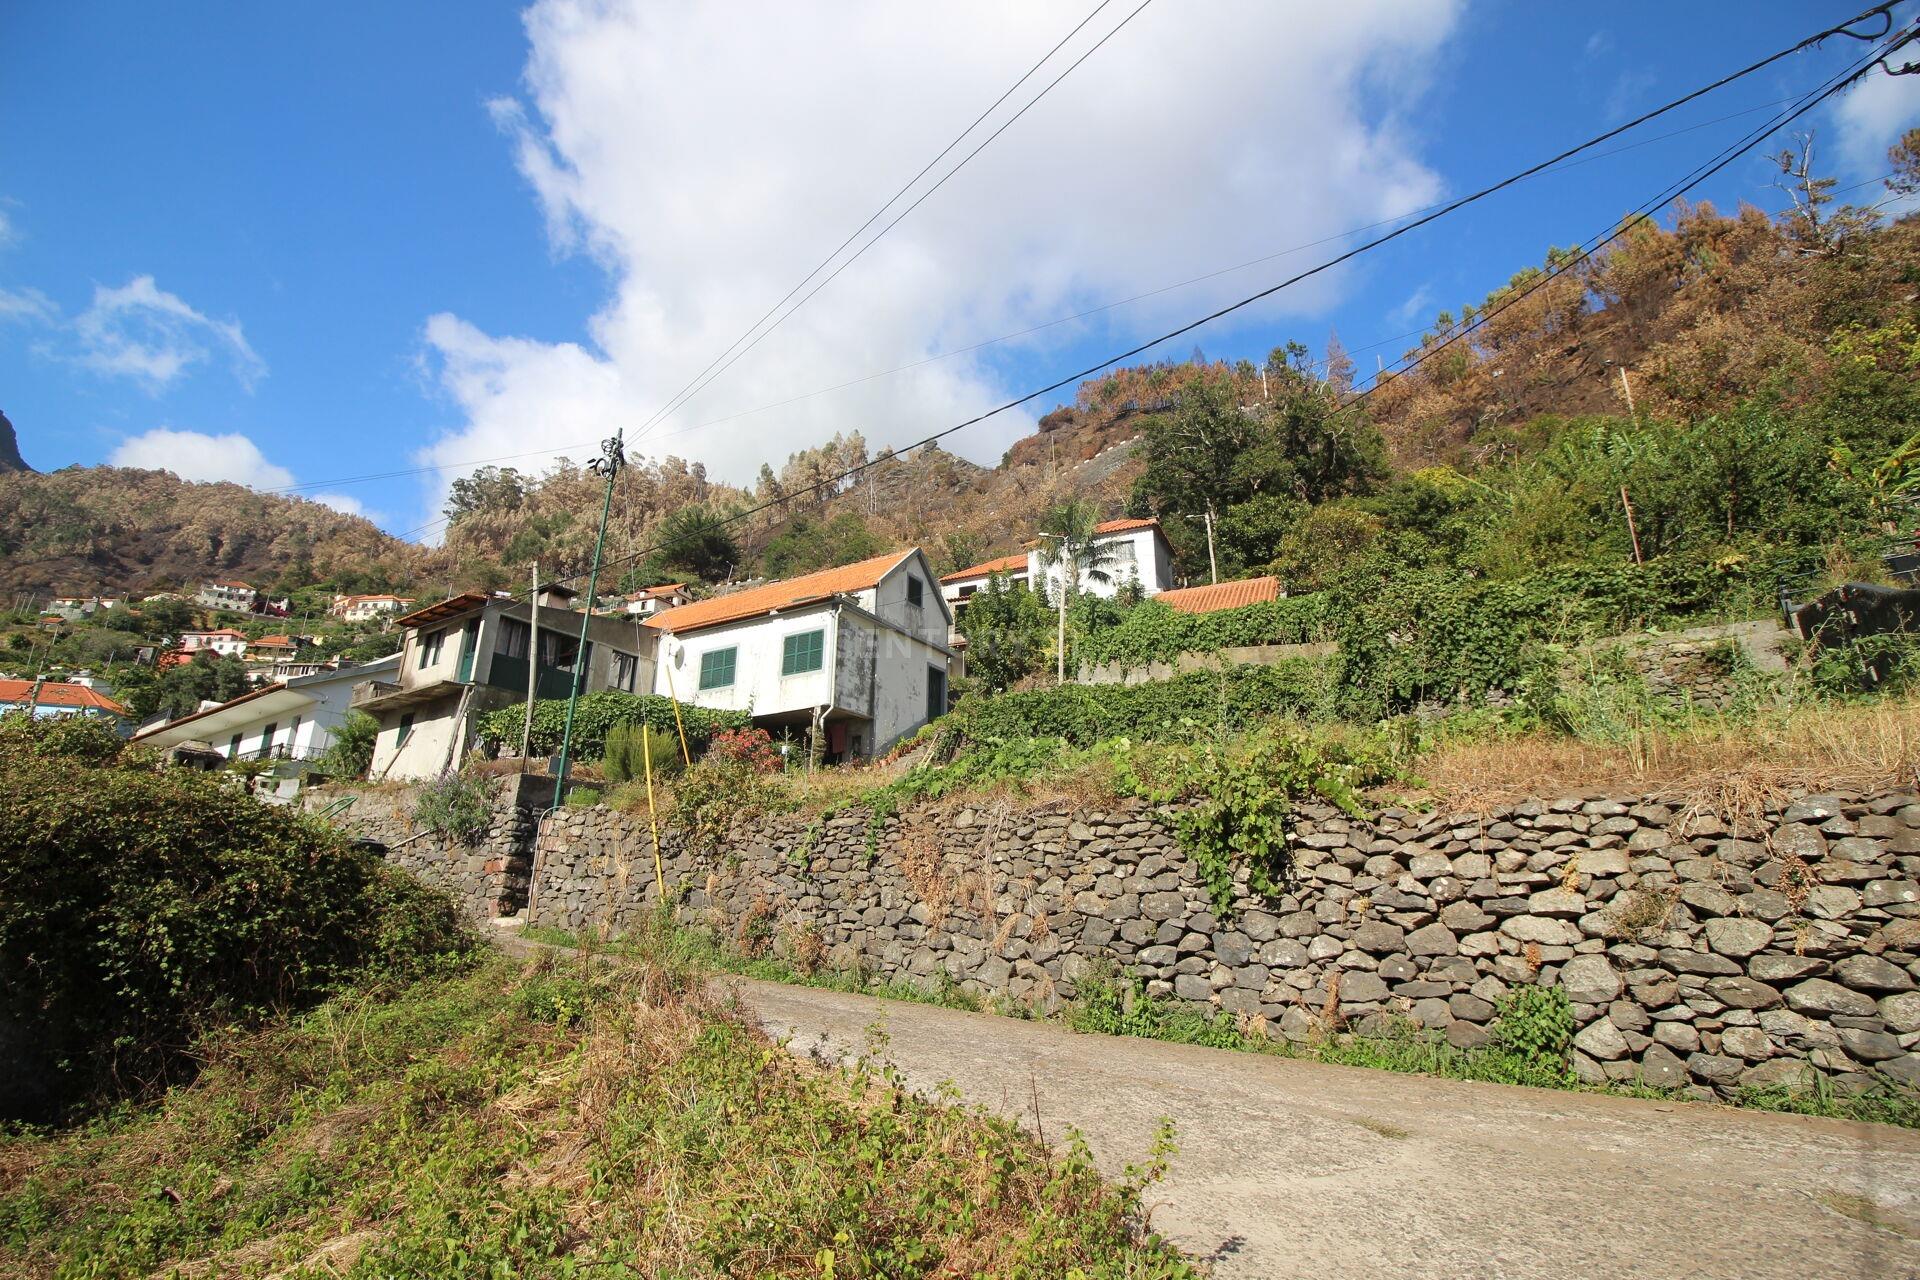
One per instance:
(755, 601)
(1005, 564)
(1125, 525)
(1220, 595)
(58, 694)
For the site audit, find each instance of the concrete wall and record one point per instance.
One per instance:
(757, 684)
(1700, 951)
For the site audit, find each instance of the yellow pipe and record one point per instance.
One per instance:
(653, 819)
(686, 756)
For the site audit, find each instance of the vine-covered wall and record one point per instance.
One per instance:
(1700, 950)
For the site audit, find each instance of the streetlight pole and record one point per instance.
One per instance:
(608, 464)
(1213, 564)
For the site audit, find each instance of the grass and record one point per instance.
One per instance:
(557, 1118)
(659, 941)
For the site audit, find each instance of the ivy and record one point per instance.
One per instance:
(595, 715)
(1183, 707)
(1153, 632)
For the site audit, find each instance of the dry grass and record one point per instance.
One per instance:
(1724, 769)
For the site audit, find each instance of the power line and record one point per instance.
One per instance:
(1182, 284)
(680, 396)
(1833, 87)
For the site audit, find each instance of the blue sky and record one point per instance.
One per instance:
(304, 246)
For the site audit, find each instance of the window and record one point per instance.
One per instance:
(266, 738)
(558, 650)
(293, 735)
(916, 592)
(804, 652)
(430, 649)
(513, 638)
(233, 747)
(1123, 551)
(717, 667)
(936, 692)
(406, 730)
(626, 670)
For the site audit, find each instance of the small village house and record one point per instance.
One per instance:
(51, 698)
(651, 600)
(269, 649)
(955, 588)
(468, 655)
(1138, 551)
(240, 597)
(223, 643)
(368, 607)
(290, 719)
(859, 653)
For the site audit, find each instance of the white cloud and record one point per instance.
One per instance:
(1599, 44)
(9, 234)
(344, 503)
(27, 306)
(1871, 117)
(195, 455)
(1417, 308)
(141, 331)
(707, 157)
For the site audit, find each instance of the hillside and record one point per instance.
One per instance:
(83, 529)
(10, 459)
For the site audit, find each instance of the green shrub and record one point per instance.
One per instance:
(352, 751)
(455, 806)
(628, 748)
(1152, 632)
(140, 905)
(1535, 1025)
(1183, 707)
(595, 715)
(582, 797)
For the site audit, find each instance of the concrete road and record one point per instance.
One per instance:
(1300, 1169)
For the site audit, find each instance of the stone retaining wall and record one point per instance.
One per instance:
(487, 876)
(1697, 951)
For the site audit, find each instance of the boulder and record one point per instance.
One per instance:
(1660, 1069)
(1601, 1040)
(1871, 973)
(1817, 995)
(1433, 940)
(1742, 993)
(1590, 980)
(1552, 933)
(1732, 936)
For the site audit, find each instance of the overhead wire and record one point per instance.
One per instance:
(1832, 86)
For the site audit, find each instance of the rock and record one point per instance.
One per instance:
(1561, 904)
(1282, 953)
(1585, 1069)
(1628, 1016)
(1601, 1040)
(1709, 899)
(1167, 905)
(1232, 949)
(1831, 901)
(1905, 1069)
(1794, 839)
(1732, 936)
(1470, 1008)
(1743, 993)
(1902, 1012)
(1547, 932)
(1464, 917)
(1888, 893)
(1361, 988)
(1869, 1046)
(1192, 987)
(1775, 1072)
(1660, 1069)
(1396, 969)
(1380, 938)
(1701, 963)
(1750, 1043)
(1678, 1036)
(1783, 968)
(1715, 1069)
(1590, 980)
(1433, 940)
(1871, 973)
(1432, 1014)
(1817, 995)
(1465, 1035)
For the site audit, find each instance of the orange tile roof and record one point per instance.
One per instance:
(757, 601)
(450, 607)
(274, 642)
(58, 694)
(1005, 564)
(1125, 525)
(1220, 595)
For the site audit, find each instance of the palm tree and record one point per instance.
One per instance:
(1068, 542)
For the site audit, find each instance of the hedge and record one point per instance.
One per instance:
(595, 715)
(1153, 632)
(1200, 701)
(142, 905)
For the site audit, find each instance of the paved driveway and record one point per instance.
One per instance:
(1300, 1169)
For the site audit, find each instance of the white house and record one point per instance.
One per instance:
(365, 608)
(223, 643)
(48, 698)
(1140, 556)
(651, 600)
(292, 719)
(956, 587)
(859, 651)
(468, 655)
(237, 596)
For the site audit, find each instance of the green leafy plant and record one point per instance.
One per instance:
(1535, 1025)
(352, 751)
(455, 806)
(595, 716)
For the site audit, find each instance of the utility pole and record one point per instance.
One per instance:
(533, 666)
(1632, 532)
(608, 464)
(1213, 564)
(1627, 387)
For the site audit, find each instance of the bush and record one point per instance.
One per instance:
(1200, 701)
(1535, 1025)
(630, 745)
(1152, 632)
(595, 715)
(582, 797)
(454, 806)
(140, 906)
(752, 748)
(351, 754)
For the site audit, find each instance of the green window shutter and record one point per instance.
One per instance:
(802, 653)
(716, 668)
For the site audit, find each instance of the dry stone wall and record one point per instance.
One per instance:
(487, 876)
(1698, 950)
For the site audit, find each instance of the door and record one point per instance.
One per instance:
(936, 692)
(468, 636)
